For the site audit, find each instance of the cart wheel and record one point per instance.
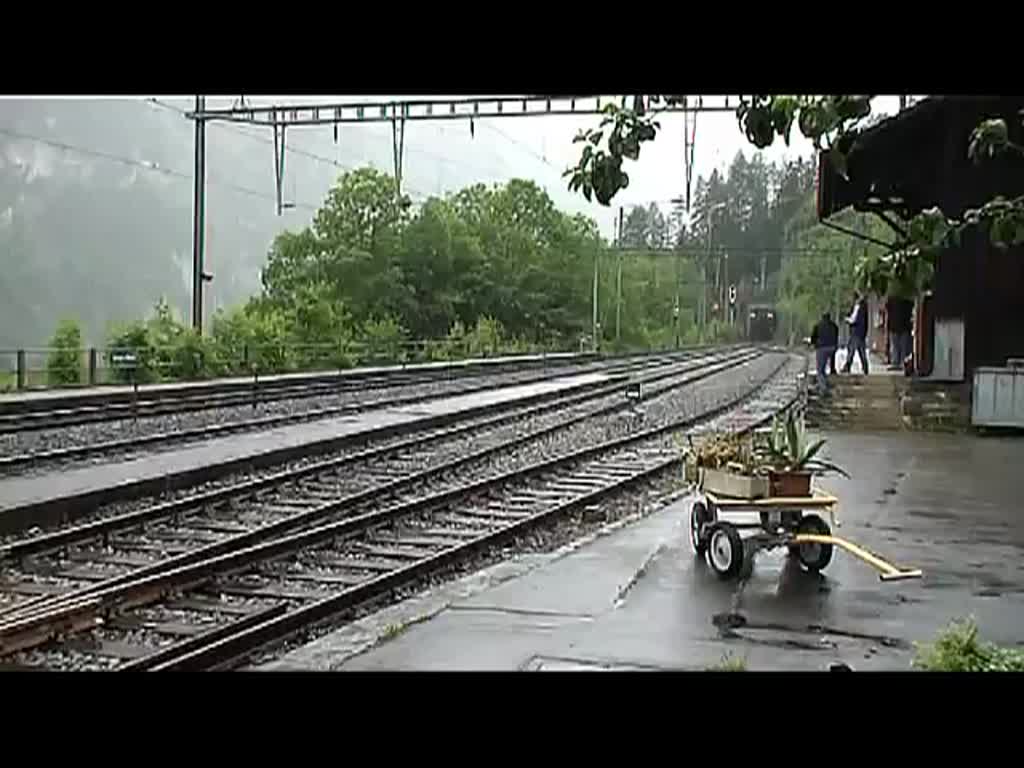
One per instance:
(814, 556)
(699, 516)
(725, 550)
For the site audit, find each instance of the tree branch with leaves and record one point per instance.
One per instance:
(833, 124)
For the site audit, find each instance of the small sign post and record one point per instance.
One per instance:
(127, 360)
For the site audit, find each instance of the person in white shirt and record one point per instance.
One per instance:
(857, 342)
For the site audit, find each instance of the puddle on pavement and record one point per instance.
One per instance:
(544, 664)
(806, 637)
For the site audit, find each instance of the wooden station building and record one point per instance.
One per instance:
(973, 314)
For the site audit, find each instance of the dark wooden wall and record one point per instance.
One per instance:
(985, 286)
(921, 155)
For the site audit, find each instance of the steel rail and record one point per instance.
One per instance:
(82, 612)
(223, 648)
(106, 526)
(511, 410)
(216, 430)
(194, 402)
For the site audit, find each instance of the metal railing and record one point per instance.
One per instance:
(50, 367)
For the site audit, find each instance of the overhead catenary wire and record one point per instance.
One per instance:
(143, 164)
(288, 147)
(410, 147)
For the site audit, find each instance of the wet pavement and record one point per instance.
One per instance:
(637, 598)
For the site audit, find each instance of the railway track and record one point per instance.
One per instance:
(388, 464)
(386, 534)
(26, 416)
(125, 448)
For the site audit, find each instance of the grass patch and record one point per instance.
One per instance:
(730, 663)
(391, 631)
(959, 649)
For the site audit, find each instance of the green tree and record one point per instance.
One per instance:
(833, 123)
(64, 363)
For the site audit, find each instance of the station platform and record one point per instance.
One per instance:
(634, 597)
(876, 365)
(76, 395)
(42, 499)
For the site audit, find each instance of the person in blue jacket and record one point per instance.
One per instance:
(825, 339)
(858, 321)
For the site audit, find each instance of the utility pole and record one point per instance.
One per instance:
(703, 281)
(619, 280)
(675, 307)
(726, 310)
(199, 218)
(618, 283)
(597, 258)
(764, 268)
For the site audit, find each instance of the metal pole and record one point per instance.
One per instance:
(675, 307)
(618, 285)
(199, 218)
(704, 292)
(597, 257)
(726, 307)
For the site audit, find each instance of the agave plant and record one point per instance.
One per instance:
(788, 449)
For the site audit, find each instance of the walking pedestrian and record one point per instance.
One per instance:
(825, 338)
(857, 342)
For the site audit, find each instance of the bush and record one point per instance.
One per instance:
(486, 339)
(64, 363)
(250, 338)
(383, 340)
(192, 356)
(730, 663)
(133, 337)
(958, 649)
(164, 348)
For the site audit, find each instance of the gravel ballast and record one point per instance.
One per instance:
(297, 408)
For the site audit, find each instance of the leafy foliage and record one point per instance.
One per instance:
(833, 124)
(384, 339)
(64, 363)
(959, 649)
(487, 270)
(789, 450)
(729, 663)
(132, 338)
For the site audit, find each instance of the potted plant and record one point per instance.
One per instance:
(789, 461)
(724, 464)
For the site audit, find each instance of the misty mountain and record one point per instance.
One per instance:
(96, 201)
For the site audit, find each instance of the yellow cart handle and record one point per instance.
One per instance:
(888, 571)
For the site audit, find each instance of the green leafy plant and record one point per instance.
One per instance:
(132, 338)
(833, 123)
(959, 649)
(729, 663)
(64, 363)
(788, 449)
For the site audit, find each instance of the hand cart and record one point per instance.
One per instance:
(794, 523)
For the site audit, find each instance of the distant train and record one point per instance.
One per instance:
(762, 322)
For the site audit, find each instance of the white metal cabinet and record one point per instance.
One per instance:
(997, 399)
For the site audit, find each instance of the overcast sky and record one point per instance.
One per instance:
(441, 155)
